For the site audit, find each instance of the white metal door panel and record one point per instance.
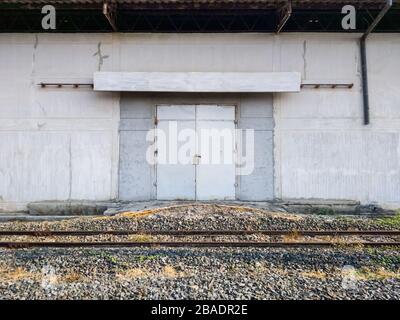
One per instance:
(175, 180)
(215, 173)
(176, 112)
(213, 112)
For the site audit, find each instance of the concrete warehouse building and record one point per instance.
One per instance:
(77, 101)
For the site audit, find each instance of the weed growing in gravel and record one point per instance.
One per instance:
(344, 219)
(344, 243)
(258, 268)
(381, 259)
(393, 222)
(111, 259)
(231, 269)
(142, 258)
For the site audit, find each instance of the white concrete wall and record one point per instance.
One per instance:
(55, 144)
(58, 144)
(323, 150)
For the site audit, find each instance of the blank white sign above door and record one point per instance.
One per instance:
(197, 81)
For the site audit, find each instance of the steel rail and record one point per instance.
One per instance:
(51, 233)
(19, 245)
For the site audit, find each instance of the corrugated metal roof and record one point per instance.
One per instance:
(194, 15)
(212, 2)
(199, 4)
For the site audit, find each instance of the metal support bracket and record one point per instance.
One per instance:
(110, 12)
(284, 14)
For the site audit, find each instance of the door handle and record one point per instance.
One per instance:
(196, 159)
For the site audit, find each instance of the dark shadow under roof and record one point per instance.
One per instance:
(195, 15)
(190, 4)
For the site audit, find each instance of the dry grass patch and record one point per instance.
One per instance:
(73, 277)
(245, 209)
(344, 242)
(17, 274)
(170, 272)
(261, 268)
(140, 238)
(281, 272)
(147, 212)
(136, 273)
(338, 240)
(136, 214)
(376, 274)
(292, 237)
(209, 208)
(132, 273)
(283, 215)
(316, 274)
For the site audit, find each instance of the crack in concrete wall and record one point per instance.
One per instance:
(41, 125)
(358, 65)
(304, 59)
(35, 45)
(70, 167)
(100, 56)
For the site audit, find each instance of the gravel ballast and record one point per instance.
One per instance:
(201, 273)
(206, 217)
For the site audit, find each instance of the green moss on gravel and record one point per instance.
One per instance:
(390, 221)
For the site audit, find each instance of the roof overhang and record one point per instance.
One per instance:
(228, 82)
(180, 16)
(199, 4)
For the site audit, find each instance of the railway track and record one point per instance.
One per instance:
(201, 244)
(76, 233)
(185, 233)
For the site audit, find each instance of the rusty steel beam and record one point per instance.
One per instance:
(284, 14)
(110, 12)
